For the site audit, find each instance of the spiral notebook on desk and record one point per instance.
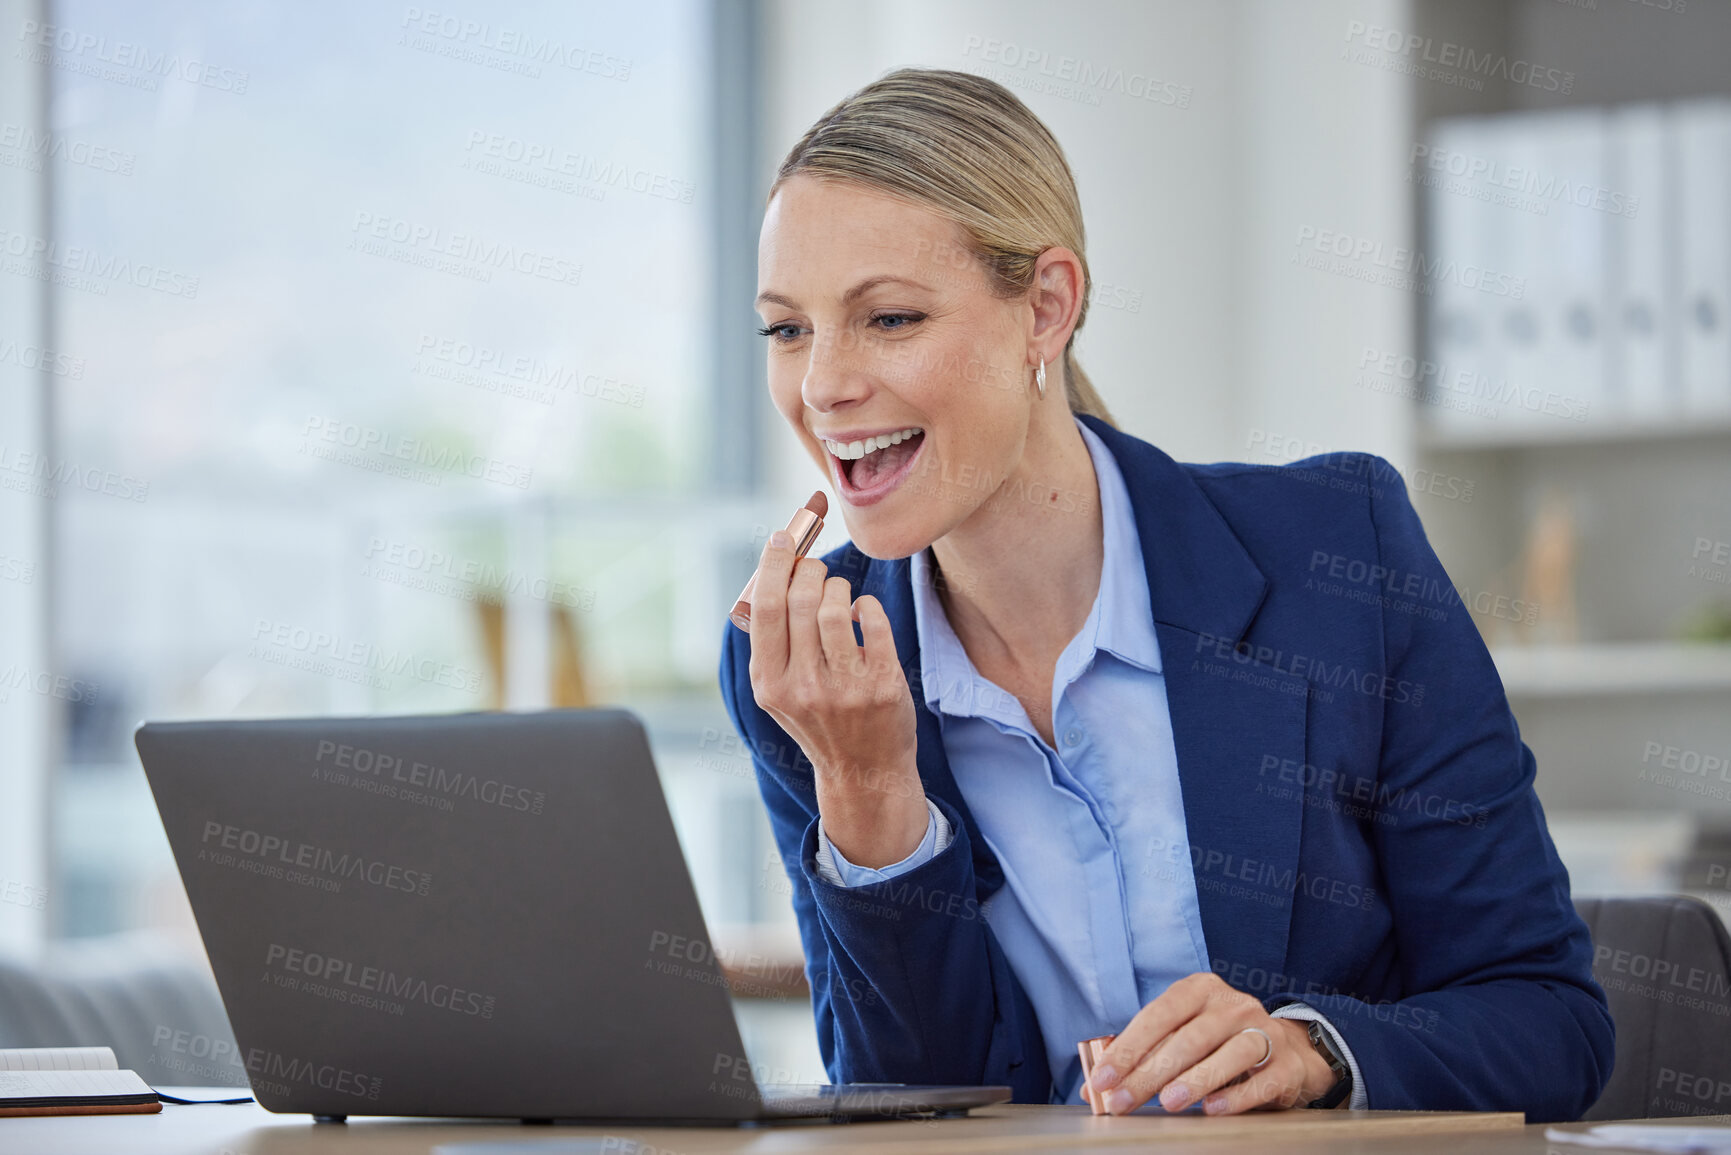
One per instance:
(71, 1081)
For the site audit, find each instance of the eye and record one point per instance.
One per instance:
(783, 333)
(894, 322)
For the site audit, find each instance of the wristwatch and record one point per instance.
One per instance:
(1342, 1073)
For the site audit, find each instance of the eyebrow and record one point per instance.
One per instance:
(771, 298)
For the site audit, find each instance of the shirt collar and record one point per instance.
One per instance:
(1122, 617)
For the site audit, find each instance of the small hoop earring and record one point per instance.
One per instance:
(1040, 378)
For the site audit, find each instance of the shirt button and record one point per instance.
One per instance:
(1071, 737)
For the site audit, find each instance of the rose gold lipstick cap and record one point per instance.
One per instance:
(1092, 1050)
(807, 523)
(741, 614)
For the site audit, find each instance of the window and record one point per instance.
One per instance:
(383, 329)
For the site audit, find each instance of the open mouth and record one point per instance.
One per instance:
(868, 471)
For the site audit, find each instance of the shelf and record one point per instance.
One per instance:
(1614, 669)
(1533, 435)
(761, 961)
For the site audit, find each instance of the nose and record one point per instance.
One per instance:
(833, 378)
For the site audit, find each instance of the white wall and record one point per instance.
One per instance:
(1322, 143)
(1196, 208)
(24, 714)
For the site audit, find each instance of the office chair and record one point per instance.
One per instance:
(1665, 964)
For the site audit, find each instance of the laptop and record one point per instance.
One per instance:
(482, 915)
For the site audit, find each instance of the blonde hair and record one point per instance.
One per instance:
(966, 147)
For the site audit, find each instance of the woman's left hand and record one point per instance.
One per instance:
(1191, 1043)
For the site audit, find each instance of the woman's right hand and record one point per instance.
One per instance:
(849, 708)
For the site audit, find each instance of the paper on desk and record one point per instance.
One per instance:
(1647, 1137)
(70, 1084)
(58, 1059)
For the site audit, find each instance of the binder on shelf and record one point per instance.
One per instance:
(1517, 249)
(1461, 319)
(1641, 323)
(1569, 281)
(1700, 141)
(1513, 246)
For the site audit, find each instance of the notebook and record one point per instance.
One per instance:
(71, 1081)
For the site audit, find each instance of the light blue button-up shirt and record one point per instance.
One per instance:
(1098, 914)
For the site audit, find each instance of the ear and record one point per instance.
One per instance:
(1055, 301)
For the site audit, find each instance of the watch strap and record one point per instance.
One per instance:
(1336, 1094)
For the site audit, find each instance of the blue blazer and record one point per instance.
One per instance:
(1360, 808)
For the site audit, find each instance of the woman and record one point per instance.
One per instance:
(1207, 757)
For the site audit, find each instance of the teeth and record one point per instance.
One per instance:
(857, 449)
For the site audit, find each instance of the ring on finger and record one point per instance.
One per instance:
(1267, 1045)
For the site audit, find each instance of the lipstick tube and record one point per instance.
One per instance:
(1092, 1050)
(807, 523)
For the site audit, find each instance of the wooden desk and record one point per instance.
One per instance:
(250, 1130)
